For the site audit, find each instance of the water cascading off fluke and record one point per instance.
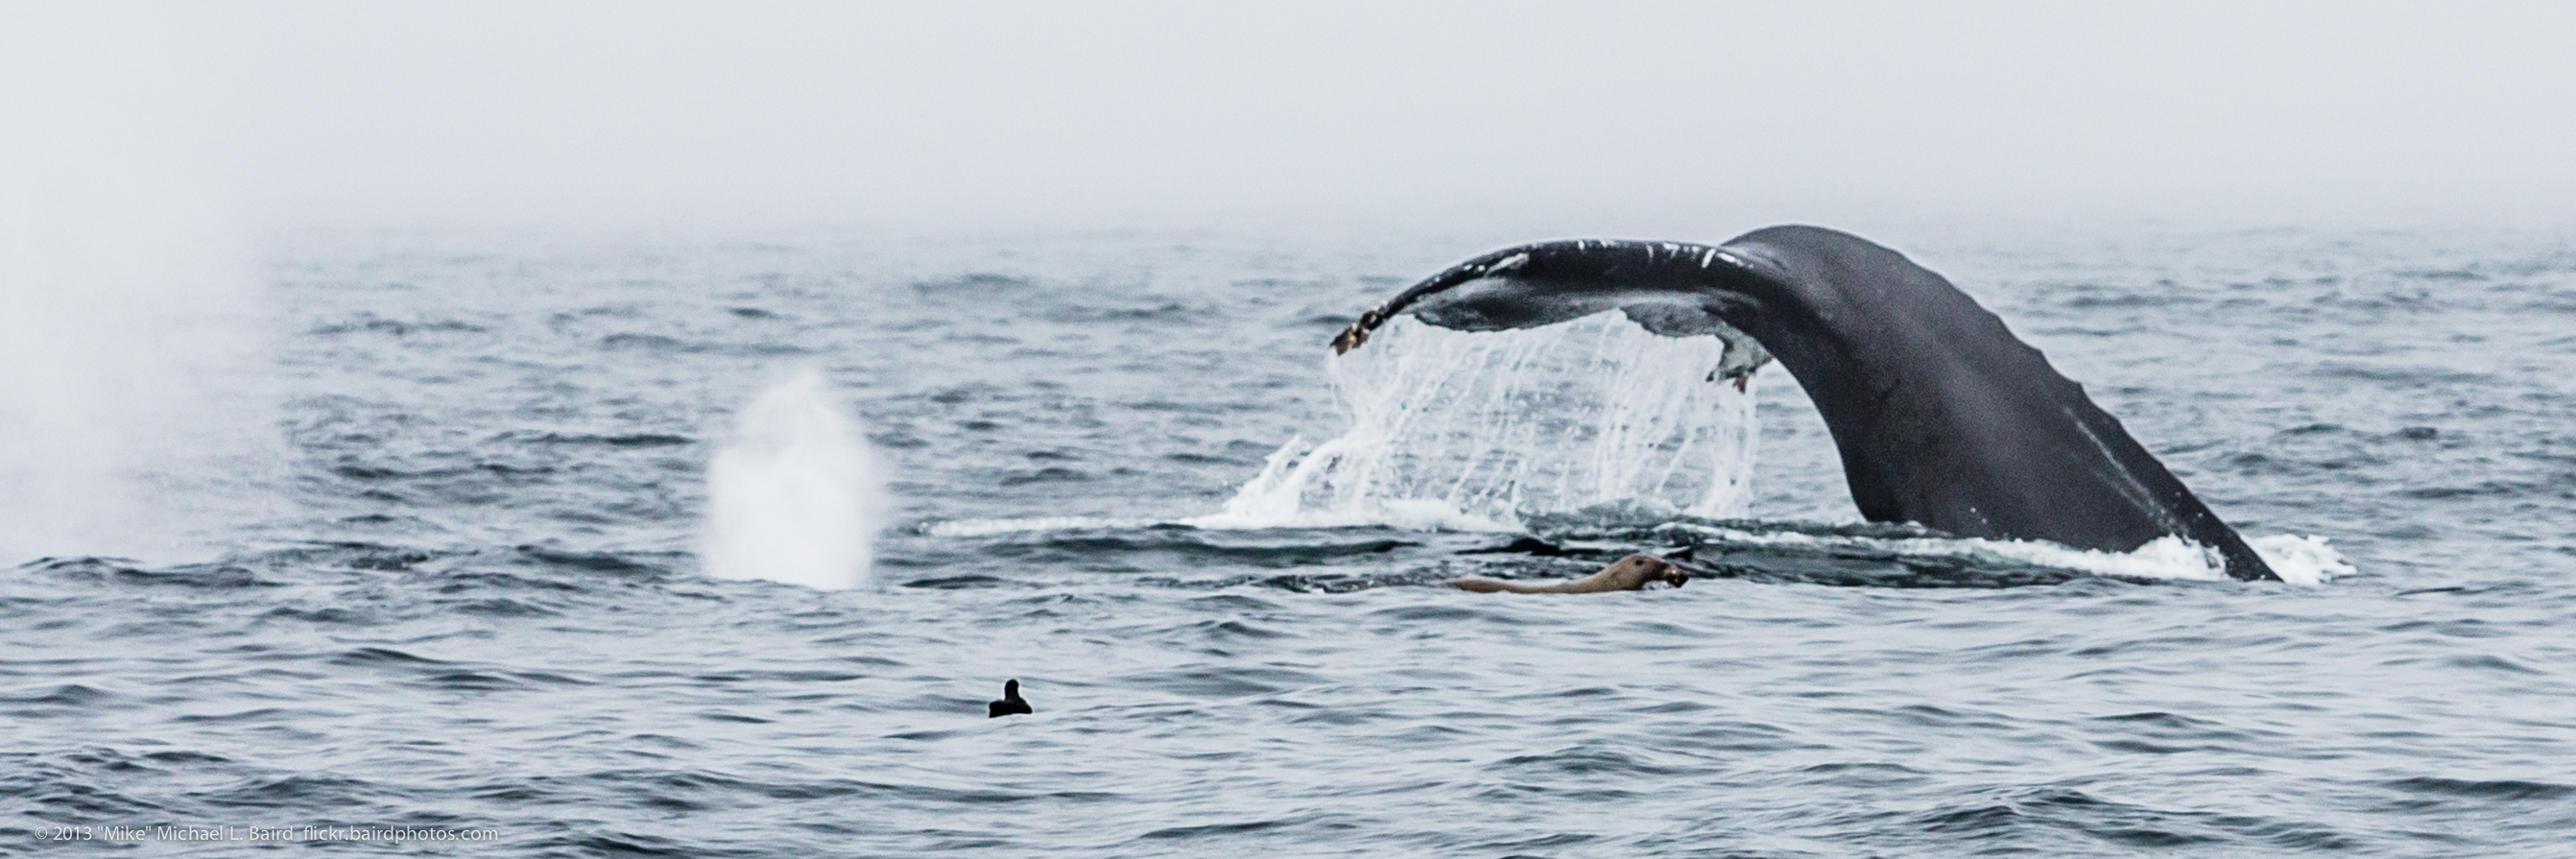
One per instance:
(1482, 430)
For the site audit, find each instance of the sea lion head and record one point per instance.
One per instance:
(1637, 572)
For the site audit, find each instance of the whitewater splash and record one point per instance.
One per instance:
(1479, 431)
(1592, 421)
(2297, 559)
(795, 496)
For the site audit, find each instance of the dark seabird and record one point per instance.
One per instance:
(1010, 705)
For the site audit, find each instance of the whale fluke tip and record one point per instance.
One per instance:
(1352, 337)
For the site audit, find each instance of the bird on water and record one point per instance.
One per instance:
(1010, 705)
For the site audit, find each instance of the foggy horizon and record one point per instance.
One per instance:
(1646, 115)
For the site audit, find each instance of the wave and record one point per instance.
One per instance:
(991, 527)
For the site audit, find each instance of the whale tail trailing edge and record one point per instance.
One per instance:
(1941, 415)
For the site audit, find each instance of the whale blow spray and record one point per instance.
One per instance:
(795, 496)
(137, 416)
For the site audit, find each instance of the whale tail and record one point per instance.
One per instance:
(1942, 417)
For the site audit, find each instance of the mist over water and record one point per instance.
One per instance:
(137, 414)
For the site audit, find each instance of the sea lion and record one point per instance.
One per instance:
(1632, 573)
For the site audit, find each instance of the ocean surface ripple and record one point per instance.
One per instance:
(484, 607)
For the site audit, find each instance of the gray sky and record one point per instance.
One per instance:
(962, 112)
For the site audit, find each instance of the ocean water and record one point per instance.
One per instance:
(483, 585)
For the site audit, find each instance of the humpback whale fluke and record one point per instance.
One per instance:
(1941, 415)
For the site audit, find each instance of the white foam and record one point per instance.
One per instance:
(2301, 560)
(795, 496)
(1476, 431)
(2164, 558)
(2296, 559)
